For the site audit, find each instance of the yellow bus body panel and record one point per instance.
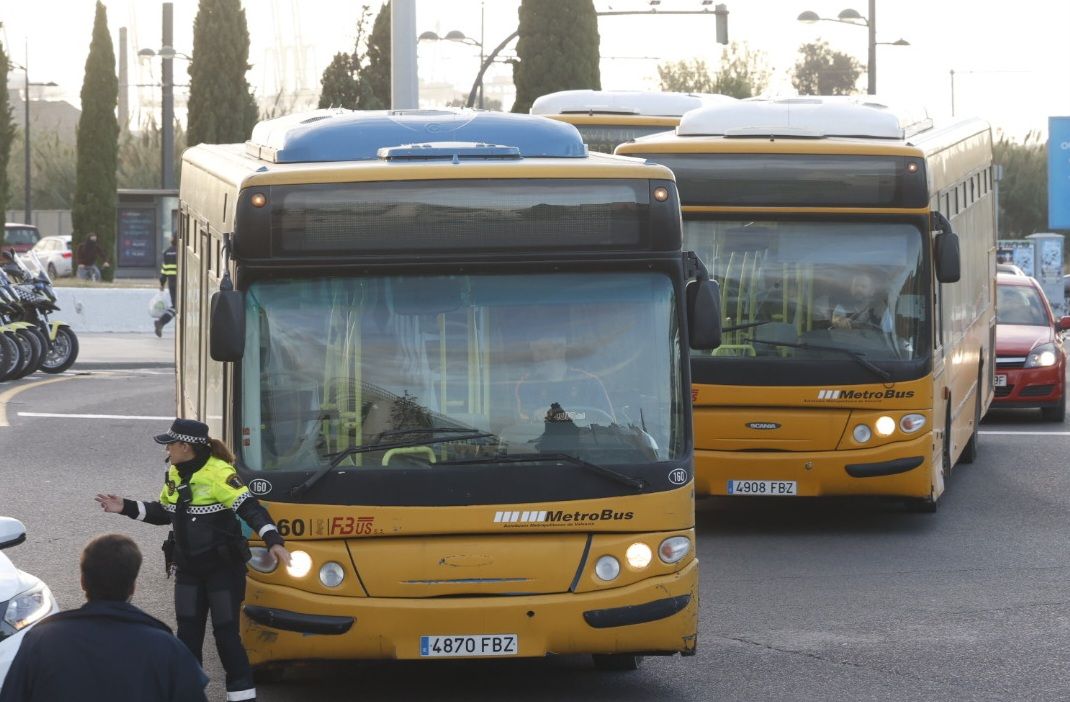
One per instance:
(390, 628)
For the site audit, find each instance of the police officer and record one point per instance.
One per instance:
(200, 497)
(168, 277)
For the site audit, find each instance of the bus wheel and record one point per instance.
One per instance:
(1054, 414)
(924, 505)
(969, 451)
(268, 674)
(616, 661)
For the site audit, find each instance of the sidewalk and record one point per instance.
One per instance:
(101, 351)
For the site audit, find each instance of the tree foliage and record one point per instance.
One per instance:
(222, 109)
(139, 156)
(7, 132)
(557, 49)
(822, 71)
(360, 80)
(743, 73)
(54, 163)
(1023, 190)
(98, 143)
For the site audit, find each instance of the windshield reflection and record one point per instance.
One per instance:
(417, 371)
(790, 288)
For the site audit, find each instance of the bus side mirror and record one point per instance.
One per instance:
(227, 326)
(946, 250)
(704, 314)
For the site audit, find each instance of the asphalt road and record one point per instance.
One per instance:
(807, 600)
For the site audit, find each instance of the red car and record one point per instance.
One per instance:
(1030, 360)
(20, 237)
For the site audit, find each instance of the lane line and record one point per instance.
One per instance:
(6, 397)
(90, 416)
(1026, 433)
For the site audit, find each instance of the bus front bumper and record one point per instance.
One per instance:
(654, 616)
(900, 469)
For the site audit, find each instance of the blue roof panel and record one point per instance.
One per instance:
(353, 135)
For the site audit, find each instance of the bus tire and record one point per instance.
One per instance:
(969, 451)
(617, 662)
(269, 673)
(1054, 414)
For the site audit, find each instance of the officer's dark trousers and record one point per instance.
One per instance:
(220, 592)
(169, 314)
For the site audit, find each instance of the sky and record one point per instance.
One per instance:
(1010, 60)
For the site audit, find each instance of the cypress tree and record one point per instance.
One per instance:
(7, 133)
(222, 109)
(375, 77)
(339, 86)
(98, 144)
(557, 49)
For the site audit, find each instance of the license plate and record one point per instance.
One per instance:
(1001, 381)
(465, 646)
(776, 488)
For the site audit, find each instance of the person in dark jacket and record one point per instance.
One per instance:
(108, 650)
(87, 255)
(168, 277)
(202, 492)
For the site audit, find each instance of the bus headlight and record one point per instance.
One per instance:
(885, 426)
(607, 568)
(910, 423)
(332, 574)
(300, 564)
(1042, 356)
(862, 433)
(674, 548)
(638, 555)
(262, 560)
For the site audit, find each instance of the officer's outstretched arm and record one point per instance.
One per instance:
(150, 512)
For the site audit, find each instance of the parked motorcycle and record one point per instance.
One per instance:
(26, 347)
(37, 301)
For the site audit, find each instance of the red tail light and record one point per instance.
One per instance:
(66, 254)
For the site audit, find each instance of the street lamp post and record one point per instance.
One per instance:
(459, 36)
(28, 195)
(167, 56)
(851, 16)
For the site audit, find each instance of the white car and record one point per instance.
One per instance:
(56, 255)
(24, 599)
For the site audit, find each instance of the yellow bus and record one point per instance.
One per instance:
(856, 360)
(608, 118)
(452, 367)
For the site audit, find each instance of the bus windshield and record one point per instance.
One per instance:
(812, 290)
(444, 370)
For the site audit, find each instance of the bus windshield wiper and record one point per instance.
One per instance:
(856, 355)
(337, 458)
(614, 475)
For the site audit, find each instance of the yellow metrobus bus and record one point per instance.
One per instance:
(608, 118)
(856, 359)
(452, 367)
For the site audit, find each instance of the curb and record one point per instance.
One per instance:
(120, 365)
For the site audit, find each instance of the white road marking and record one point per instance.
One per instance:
(90, 416)
(1026, 433)
(6, 397)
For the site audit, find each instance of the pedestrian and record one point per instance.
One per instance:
(107, 650)
(201, 494)
(89, 252)
(168, 277)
